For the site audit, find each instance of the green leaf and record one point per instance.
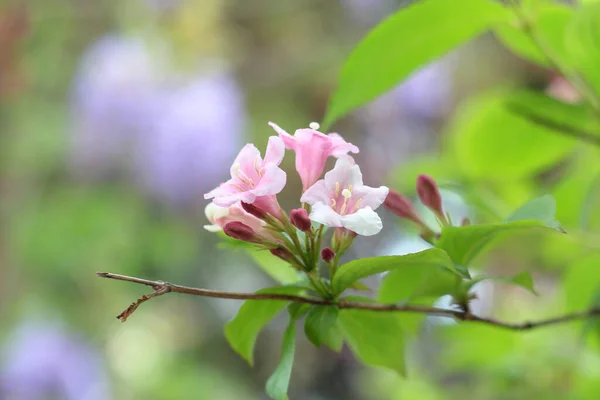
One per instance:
(360, 286)
(581, 281)
(417, 281)
(570, 119)
(583, 46)
(542, 209)
(241, 332)
(352, 271)
(549, 23)
(375, 338)
(334, 340)
(277, 385)
(522, 279)
(463, 244)
(492, 142)
(409, 39)
(319, 322)
(275, 267)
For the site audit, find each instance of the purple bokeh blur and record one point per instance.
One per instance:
(173, 133)
(45, 361)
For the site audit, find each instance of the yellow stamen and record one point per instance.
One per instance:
(337, 189)
(256, 160)
(238, 173)
(357, 205)
(333, 202)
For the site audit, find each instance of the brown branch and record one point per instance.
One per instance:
(161, 288)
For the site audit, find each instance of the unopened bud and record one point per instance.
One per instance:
(252, 209)
(327, 254)
(430, 196)
(299, 218)
(401, 206)
(240, 231)
(287, 256)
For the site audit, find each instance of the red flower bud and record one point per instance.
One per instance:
(327, 254)
(287, 256)
(299, 218)
(240, 231)
(430, 196)
(252, 209)
(401, 206)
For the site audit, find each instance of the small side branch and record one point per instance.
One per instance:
(161, 288)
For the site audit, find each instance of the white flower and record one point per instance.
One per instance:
(341, 200)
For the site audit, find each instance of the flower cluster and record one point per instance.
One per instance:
(246, 206)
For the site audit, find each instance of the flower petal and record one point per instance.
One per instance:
(371, 197)
(213, 228)
(275, 151)
(246, 156)
(345, 173)
(226, 201)
(365, 222)
(272, 182)
(340, 147)
(224, 189)
(325, 215)
(317, 193)
(288, 140)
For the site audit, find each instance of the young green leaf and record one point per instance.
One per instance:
(409, 39)
(463, 244)
(277, 385)
(241, 332)
(352, 271)
(541, 209)
(492, 142)
(522, 279)
(375, 338)
(319, 322)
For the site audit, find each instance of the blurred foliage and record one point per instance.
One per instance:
(498, 148)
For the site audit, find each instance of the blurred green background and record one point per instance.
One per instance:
(115, 118)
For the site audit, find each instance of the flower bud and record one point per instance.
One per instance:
(401, 206)
(430, 196)
(253, 210)
(239, 230)
(465, 221)
(327, 254)
(287, 256)
(299, 218)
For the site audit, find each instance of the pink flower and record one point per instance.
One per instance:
(221, 216)
(312, 149)
(341, 200)
(254, 180)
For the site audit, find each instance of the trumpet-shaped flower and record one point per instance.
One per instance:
(341, 200)
(254, 180)
(312, 150)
